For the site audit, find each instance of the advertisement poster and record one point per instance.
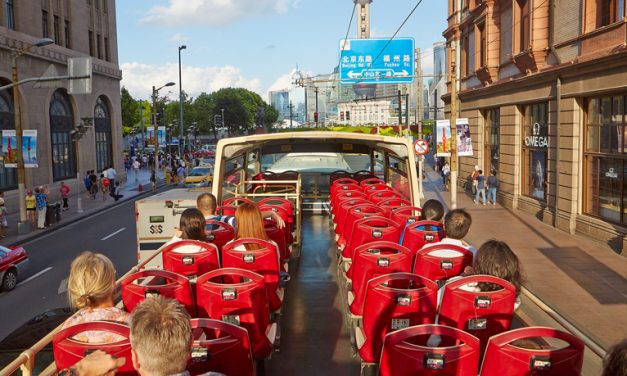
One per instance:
(443, 138)
(150, 136)
(9, 144)
(161, 139)
(464, 143)
(29, 148)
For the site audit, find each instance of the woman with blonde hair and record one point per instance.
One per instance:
(249, 224)
(91, 290)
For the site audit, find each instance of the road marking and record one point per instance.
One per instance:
(34, 276)
(115, 233)
(62, 287)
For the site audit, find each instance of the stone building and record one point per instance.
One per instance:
(544, 85)
(79, 28)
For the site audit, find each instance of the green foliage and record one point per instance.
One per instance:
(130, 111)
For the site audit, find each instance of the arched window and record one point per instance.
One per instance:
(8, 176)
(102, 121)
(61, 124)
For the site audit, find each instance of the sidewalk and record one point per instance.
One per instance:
(583, 280)
(129, 190)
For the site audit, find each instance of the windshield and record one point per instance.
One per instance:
(200, 171)
(315, 162)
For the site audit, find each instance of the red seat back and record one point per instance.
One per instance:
(482, 314)
(345, 195)
(363, 175)
(226, 210)
(205, 259)
(503, 358)
(371, 229)
(219, 233)
(68, 351)
(340, 175)
(354, 213)
(337, 188)
(157, 282)
(420, 233)
(236, 201)
(377, 187)
(390, 204)
(406, 215)
(286, 216)
(405, 353)
(278, 236)
(395, 301)
(238, 297)
(441, 267)
(378, 196)
(278, 201)
(263, 261)
(373, 260)
(342, 212)
(344, 181)
(370, 181)
(220, 347)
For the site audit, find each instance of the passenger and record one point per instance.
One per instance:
(457, 224)
(207, 204)
(161, 343)
(191, 227)
(250, 225)
(615, 363)
(432, 210)
(91, 289)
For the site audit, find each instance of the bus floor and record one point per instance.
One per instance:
(314, 337)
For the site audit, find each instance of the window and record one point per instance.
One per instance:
(492, 140)
(535, 151)
(465, 56)
(105, 6)
(104, 144)
(606, 158)
(521, 26)
(68, 34)
(609, 11)
(9, 15)
(8, 175)
(91, 43)
(61, 124)
(483, 56)
(45, 32)
(99, 45)
(57, 30)
(107, 52)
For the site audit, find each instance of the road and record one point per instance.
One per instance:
(42, 287)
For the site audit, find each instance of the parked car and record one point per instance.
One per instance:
(13, 262)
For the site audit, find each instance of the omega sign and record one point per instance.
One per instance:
(536, 140)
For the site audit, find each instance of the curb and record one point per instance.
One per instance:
(84, 215)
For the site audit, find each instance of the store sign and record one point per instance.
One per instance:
(537, 138)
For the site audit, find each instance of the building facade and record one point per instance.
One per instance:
(437, 86)
(544, 86)
(280, 100)
(79, 28)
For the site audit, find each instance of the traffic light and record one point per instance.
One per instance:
(316, 117)
(348, 115)
(341, 115)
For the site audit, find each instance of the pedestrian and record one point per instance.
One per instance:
(41, 203)
(87, 183)
(104, 184)
(136, 166)
(93, 181)
(111, 175)
(446, 171)
(116, 192)
(127, 165)
(473, 176)
(65, 194)
(493, 184)
(153, 179)
(30, 206)
(4, 224)
(480, 188)
(181, 174)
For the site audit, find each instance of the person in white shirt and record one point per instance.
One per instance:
(136, 167)
(457, 224)
(110, 174)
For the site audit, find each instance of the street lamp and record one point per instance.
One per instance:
(23, 225)
(183, 47)
(155, 92)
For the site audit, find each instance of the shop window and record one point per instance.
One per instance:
(492, 140)
(535, 147)
(606, 158)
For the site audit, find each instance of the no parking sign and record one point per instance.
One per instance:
(421, 146)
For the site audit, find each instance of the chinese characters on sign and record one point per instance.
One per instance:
(377, 61)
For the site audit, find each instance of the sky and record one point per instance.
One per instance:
(255, 44)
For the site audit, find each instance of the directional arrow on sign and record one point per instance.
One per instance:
(403, 73)
(352, 74)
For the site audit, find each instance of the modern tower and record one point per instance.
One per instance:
(362, 7)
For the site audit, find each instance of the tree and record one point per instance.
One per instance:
(202, 111)
(130, 111)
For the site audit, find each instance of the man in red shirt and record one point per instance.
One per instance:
(65, 194)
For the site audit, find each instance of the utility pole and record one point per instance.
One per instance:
(407, 115)
(155, 127)
(223, 122)
(453, 129)
(317, 114)
(141, 116)
(291, 108)
(400, 113)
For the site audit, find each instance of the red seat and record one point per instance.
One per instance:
(344, 181)
(482, 314)
(373, 260)
(340, 175)
(378, 196)
(363, 175)
(345, 195)
(420, 233)
(226, 210)
(390, 204)
(442, 267)
(277, 235)
(337, 188)
(286, 216)
(264, 261)
(504, 358)
(371, 229)
(354, 213)
(405, 353)
(369, 188)
(219, 233)
(236, 201)
(205, 257)
(369, 181)
(220, 347)
(279, 201)
(157, 282)
(238, 297)
(394, 301)
(68, 351)
(406, 215)
(287, 175)
(342, 212)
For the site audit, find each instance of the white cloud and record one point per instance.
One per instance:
(213, 12)
(286, 82)
(178, 38)
(138, 78)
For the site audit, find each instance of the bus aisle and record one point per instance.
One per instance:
(314, 338)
